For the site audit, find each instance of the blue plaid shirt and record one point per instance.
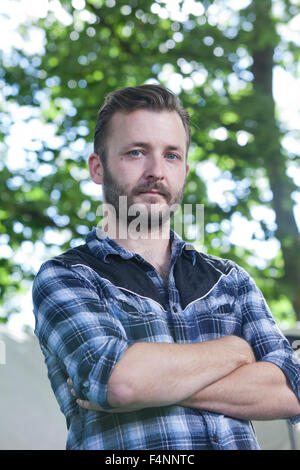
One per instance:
(93, 301)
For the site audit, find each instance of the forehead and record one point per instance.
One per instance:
(158, 126)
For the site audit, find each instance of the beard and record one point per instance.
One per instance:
(157, 215)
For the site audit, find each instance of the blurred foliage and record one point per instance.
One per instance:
(222, 60)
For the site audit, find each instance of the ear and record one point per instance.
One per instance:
(187, 168)
(96, 168)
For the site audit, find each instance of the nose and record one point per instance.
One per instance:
(155, 167)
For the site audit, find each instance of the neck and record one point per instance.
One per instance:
(153, 245)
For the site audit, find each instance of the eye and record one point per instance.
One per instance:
(135, 153)
(172, 156)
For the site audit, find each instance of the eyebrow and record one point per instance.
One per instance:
(146, 145)
(137, 144)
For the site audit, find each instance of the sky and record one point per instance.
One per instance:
(286, 90)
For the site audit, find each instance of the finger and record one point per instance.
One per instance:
(87, 405)
(73, 392)
(69, 382)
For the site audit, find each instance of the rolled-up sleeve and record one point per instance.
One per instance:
(74, 324)
(262, 333)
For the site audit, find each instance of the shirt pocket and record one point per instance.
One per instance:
(222, 310)
(225, 319)
(127, 307)
(141, 320)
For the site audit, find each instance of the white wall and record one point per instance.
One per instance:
(30, 417)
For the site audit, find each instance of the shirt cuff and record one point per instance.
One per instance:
(98, 383)
(289, 363)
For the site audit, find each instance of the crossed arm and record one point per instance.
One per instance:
(219, 375)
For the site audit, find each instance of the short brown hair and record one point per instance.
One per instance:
(129, 99)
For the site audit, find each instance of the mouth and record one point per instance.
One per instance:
(153, 193)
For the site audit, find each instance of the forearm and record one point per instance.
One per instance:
(255, 391)
(160, 374)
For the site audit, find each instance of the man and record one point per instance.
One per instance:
(164, 347)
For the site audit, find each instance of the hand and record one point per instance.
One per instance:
(87, 405)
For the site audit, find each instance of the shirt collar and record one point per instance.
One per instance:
(101, 245)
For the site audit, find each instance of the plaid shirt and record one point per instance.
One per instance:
(93, 301)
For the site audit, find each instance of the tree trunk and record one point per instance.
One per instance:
(267, 140)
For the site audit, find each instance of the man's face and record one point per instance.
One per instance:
(146, 161)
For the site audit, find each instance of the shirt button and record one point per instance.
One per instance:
(175, 309)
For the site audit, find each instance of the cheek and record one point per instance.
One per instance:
(129, 173)
(177, 179)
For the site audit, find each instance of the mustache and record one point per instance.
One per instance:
(152, 187)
